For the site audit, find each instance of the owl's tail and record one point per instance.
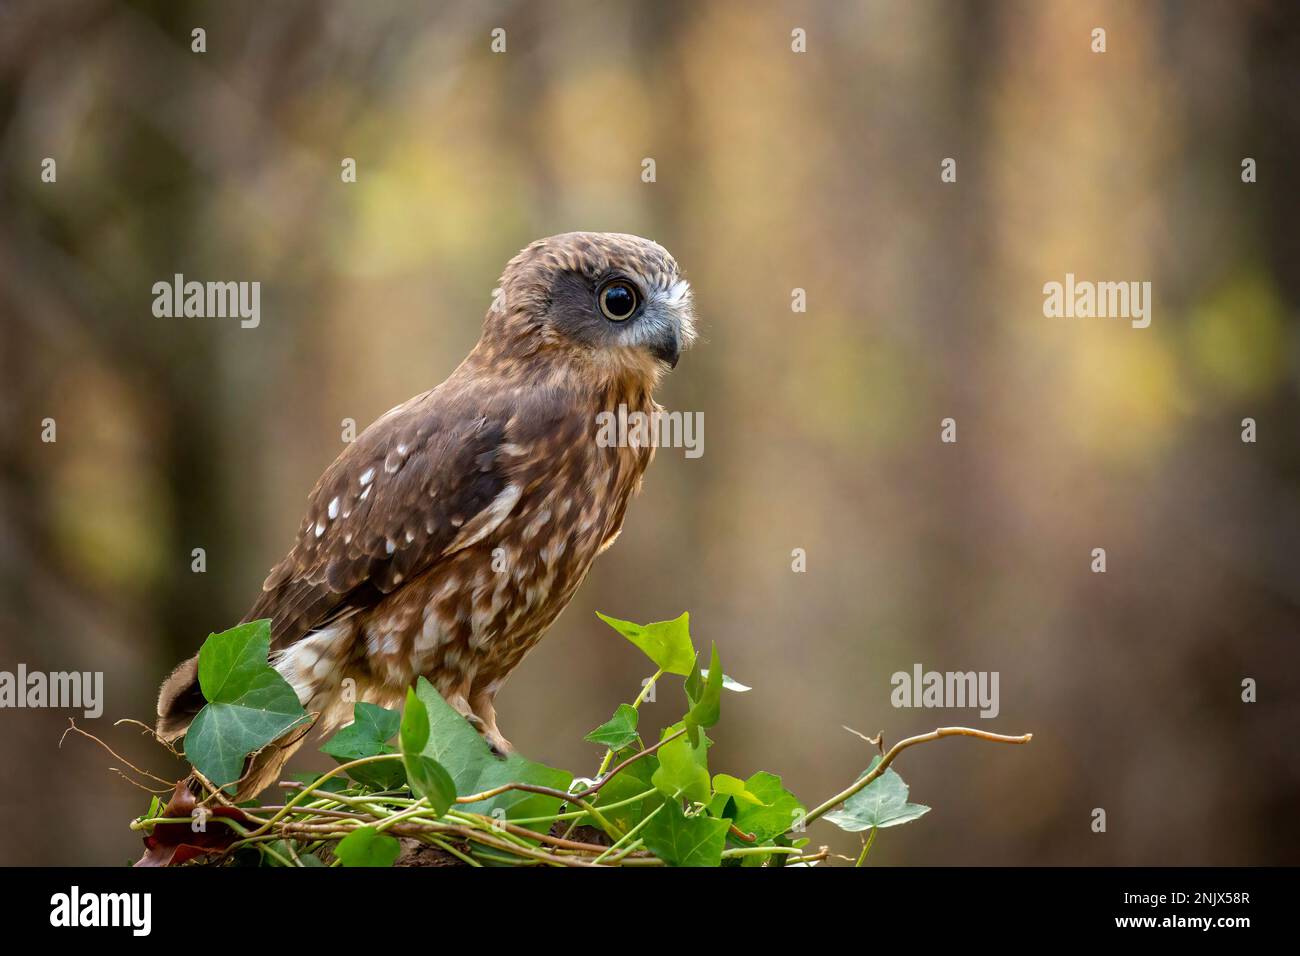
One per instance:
(180, 700)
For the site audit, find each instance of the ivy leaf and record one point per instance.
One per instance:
(282, 848)
(881, 803)
(626, 784)
(705, 698)
(457, 746)
(683, 769)
(248, 703)
(367, 736)
(428, 778)
(694, 683)
(778, 809)
(681, 840)
(723, 805)
(617, 732)
(366, 846)
(667, 643)
(371, 728)
(728, 785)
(415, 724)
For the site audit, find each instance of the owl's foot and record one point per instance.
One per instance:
(491, 736)
(499, 746)
(485, 720)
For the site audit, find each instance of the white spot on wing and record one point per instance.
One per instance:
(536, 524)
(487, 520)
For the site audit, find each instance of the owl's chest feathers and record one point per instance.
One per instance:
(471, 618)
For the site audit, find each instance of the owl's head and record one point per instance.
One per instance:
(607, 300)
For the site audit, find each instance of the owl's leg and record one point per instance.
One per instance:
(486, 714)
(475, 705)
(457, 695)
(472, 709)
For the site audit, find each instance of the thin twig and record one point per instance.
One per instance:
(145, 728)
(898, 748)
(72, 727)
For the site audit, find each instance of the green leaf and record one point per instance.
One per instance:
(667, 643)
(415, 724)
(367, 736)
(694, 683)
(371, 728)
(473, 767)
(777, 811)
(723, 805)
(282, 848)
(683, 769)
(682, 840)
(366, 846)
(248, 703)
(735, 787)
(635, 779)
(617, 732)
(881, 803)
(428, 778)
(706, 701)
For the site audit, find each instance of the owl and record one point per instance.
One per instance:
(447, 538)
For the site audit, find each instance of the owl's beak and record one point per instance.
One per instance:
(668, 347)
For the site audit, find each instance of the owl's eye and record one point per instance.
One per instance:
(618, 300)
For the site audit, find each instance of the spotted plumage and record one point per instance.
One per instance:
(446, 539)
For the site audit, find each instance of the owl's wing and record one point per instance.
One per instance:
(428, 478)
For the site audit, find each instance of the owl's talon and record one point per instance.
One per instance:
(500, 747)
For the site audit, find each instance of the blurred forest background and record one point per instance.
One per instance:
(775, 170)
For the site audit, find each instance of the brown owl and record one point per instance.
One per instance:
(445, 540)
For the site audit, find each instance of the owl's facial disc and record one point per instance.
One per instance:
(640, 320)
(618, 300)
(623, 314)
(651, 316)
